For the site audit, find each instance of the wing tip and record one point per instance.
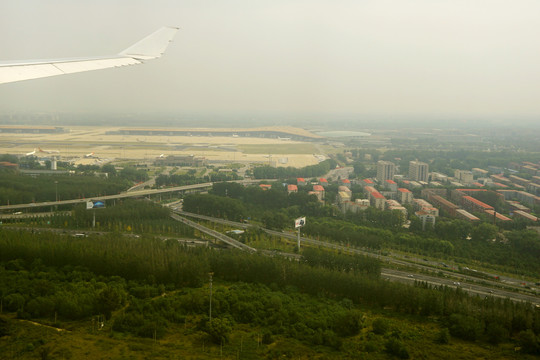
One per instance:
(153, 46)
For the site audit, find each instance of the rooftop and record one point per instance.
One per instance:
(404, 190)
(478, 202)
(377, 195)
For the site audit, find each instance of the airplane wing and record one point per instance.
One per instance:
(151, 47)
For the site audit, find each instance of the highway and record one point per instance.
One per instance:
(138, 193)
(449, 278)
(130, 193)
(474, 289)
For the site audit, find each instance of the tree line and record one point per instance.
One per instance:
(269, 172)
(155, 262)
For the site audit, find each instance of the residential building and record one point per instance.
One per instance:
(385, 170)
(394, 205)
(367, 182)
(378, 200)
(518, 180)
(465, 215)
(479, 172)
(497, 215)
(524, 215)
(405, 196)
(464, 176)
(355, 206)
(425, 218)
(291, 188)
(346, 182)
(391, 185)
(418, 171)
(343, 196)
(472, 204)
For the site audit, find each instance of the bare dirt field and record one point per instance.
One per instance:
(81, 141)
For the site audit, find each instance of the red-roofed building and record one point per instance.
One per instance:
(318, 188)
(405, 196)
(377, 200)
(500, 217)
(265, 186)
(323, 182)
(319, 191)
(346, 182)
(301, 181)
(391, 185)
(368, 182)
(369, 189)
(473, 204)
(291, 188)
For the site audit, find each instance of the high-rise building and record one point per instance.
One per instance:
(418, 171)
(385, 170)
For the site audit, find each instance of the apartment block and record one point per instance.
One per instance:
(418, 171)
(385, 170)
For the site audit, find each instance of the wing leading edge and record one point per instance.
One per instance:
(151, 47)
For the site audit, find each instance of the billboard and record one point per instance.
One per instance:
(299, 222)
(94, 204)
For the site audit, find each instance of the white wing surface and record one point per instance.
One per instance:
(151, 47)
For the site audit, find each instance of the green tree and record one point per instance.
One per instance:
(484, 231)
(219, 330)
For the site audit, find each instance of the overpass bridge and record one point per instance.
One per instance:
(226, 239)
(138, 193)
(128, 194)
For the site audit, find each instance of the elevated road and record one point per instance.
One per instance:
(130, 193)
(138, 193)
(226, 239)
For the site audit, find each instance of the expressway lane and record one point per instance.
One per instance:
(450, 277)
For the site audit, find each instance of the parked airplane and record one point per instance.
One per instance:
(161, 156)
(49, 151)
(151, 47)
(31, 152)
(91, 155)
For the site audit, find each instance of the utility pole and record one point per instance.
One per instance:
(211, 274)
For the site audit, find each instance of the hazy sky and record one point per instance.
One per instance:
(368, 57)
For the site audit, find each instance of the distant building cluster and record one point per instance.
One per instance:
(430, 195)
(461, 196)
(175, 160)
